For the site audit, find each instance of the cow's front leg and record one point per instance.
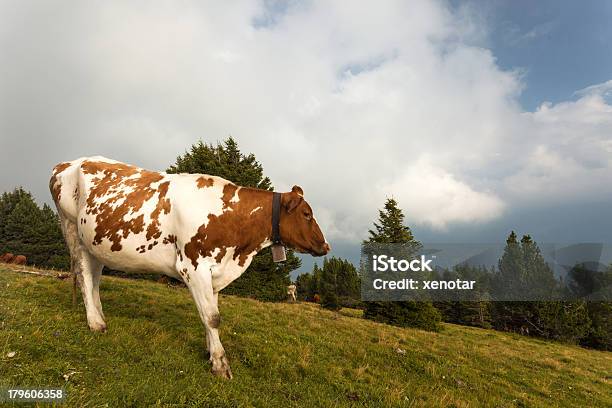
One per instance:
(199, 281)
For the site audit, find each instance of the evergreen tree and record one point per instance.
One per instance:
(348, 287)
(223, 160)
(264, 279)
(304, 283)
(51, 241)
(539, 279)
(524, 275)
(596, 287)
(473, 311)
(404, 314)
(346, 282)
(26, 229)
(508, 284)
(309, 284)
(599, 335)
(329, 286)
(8, 201)
(338, 284)
(390, 229)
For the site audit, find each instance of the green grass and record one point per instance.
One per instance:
(281, 355)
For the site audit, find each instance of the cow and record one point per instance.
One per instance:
(197, 228)
(291, 292)
(19, 260)
(7, 257)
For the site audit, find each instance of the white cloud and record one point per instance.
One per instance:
(567, 152)
(433, 196)
(351, 100)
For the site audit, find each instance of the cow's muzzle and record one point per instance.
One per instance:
(323, 251)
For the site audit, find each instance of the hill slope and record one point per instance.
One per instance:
(281, 354)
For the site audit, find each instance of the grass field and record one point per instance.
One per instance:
(281, 355)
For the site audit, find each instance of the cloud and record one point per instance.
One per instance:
(354, 102)
(568, 153)
(434, 197)
(604, 89)
(515, 36)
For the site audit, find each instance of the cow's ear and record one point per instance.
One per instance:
(292, 200)
(298, 190)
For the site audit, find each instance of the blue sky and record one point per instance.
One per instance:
(563, 46)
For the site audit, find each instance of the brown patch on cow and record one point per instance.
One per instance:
(19, 260)
(235, 227)
(228, 193)
(54, 186)
(170, 239)
(129, 187)
(205, 182)
(184, 274)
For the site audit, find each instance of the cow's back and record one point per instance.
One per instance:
(134, 219)
(121, 212)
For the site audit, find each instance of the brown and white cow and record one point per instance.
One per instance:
(201, 229)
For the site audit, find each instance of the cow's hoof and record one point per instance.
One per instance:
(97, 327)
(221, 368)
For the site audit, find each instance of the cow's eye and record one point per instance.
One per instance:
(307, 215)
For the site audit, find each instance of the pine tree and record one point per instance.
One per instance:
(346, 283)
(26, 229)
(473, 311)
(329, 286)
(600, 332)
(524, 274)
(595, 286)
(390, 229)
(223, 160)
(338, 283)
(8, 201)
(306, 286)
(348, 287)
(264, 279)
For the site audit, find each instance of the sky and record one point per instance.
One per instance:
(478, 117)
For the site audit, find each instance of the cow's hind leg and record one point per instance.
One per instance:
(200, 286)
(87, 271)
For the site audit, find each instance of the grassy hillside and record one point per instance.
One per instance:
(281, 355)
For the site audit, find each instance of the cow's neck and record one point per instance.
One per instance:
(258, 215)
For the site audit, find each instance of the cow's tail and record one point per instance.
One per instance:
(65, 192)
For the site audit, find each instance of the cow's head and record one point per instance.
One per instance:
(298, 227)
